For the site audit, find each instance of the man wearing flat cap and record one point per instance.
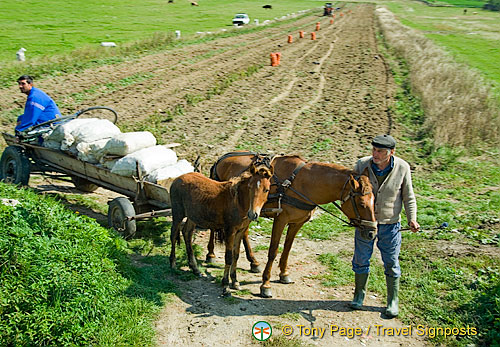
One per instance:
(392, 187)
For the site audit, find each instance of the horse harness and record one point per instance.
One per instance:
(286, 184)
(257, 159)
(281, 197)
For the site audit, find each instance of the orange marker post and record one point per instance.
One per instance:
(331, 21)
(274, 59)
(313, 36)
(278, 57)
(290, 38)
(301, 34)
(317, 26)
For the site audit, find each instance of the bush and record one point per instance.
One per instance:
(492, 5)
(59, 278)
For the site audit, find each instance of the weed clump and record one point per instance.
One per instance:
(459, 106)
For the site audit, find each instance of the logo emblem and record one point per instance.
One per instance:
(262, 331)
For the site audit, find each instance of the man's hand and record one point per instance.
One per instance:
(414, 226)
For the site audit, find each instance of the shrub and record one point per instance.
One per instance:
(492, 5)
(59, 278)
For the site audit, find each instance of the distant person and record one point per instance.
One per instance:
(39, 106)
(392, 187)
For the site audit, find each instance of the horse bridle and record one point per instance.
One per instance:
(353, 222)
(358, 221)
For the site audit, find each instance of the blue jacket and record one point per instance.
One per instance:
(39, 108)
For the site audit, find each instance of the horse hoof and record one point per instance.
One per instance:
(255, 268)
(236, 286)
(285, 279)
(266, 292)
(210, 260)
(226, 293)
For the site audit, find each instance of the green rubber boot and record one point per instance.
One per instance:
(392, 296)
(359, 292)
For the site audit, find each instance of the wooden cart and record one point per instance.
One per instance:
(142, 199)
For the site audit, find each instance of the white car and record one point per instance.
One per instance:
(240, 19)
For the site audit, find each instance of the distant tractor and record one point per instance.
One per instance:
(328, 9)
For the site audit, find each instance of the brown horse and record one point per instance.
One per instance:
(306, 185)
(226, 206)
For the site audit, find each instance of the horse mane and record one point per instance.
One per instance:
(366, 186)
(293, 156)
(236, 181)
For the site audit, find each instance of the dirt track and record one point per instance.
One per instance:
(325, 101)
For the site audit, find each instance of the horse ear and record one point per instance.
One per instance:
(354, 184)
(269, 171)
(266, 172)
(252, 169)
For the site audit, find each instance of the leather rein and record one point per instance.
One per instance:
(281, 197)
(286, 184)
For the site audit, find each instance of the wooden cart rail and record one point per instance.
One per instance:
(122, 214)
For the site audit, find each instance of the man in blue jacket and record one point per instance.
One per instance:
(39, 107)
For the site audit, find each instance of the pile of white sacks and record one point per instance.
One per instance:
(100, 142)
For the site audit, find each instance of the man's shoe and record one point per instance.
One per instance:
(392, 296)
(360, 281)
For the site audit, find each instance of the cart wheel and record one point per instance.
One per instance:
(83, 184)
(119, 210)
(14, 166)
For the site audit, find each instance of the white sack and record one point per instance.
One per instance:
(126, 143)
(108, 163)
(91, 152)
(97, 130)
(62, 132)
(149, 159)
(51, 144)
(66, 128)
(170, 171)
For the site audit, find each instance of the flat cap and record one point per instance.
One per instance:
(384, 141)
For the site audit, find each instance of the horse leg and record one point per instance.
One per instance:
(254, 264)
(278, 226)
(210, 259)
(228, 258)
(174, 234)
(187, 232)
(290, 236)
(234, 264)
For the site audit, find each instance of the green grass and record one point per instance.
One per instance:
(482, 55)
(450, 291)
(471, 39)
(460, 3)
(64, 280)
(54, 27)
(87, 291)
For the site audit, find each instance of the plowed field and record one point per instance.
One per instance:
(325, 101)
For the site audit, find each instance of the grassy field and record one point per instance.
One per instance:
(58, 26)
(459, 3)
(470, 38)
